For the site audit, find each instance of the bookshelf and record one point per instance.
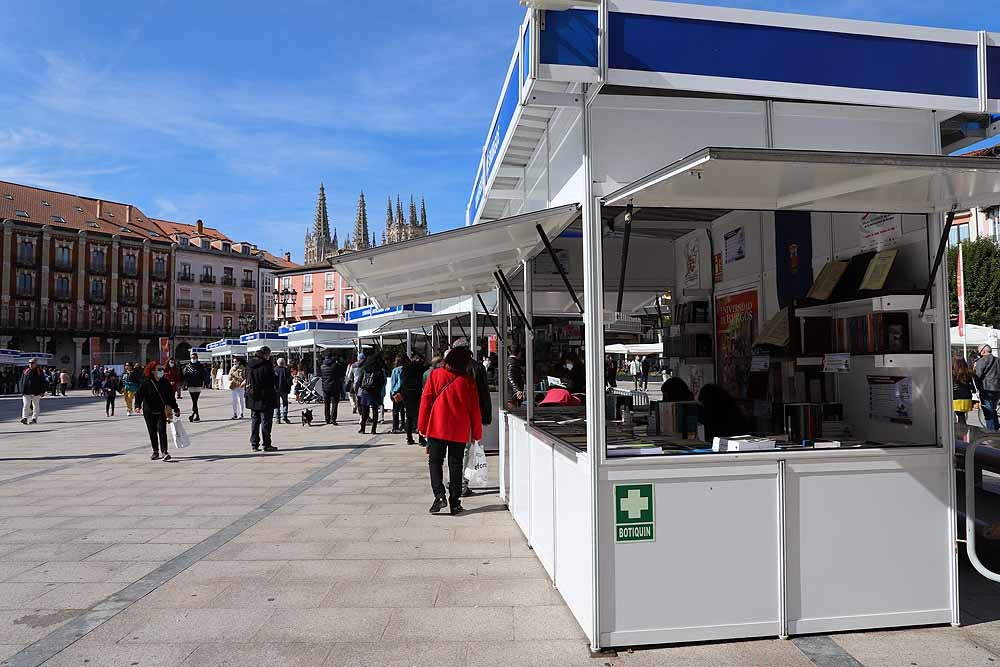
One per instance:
(876, 304)
(889, 360)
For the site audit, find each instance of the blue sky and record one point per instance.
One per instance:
(234, 112)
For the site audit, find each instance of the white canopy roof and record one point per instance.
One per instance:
(771, 179)
(452, 263)
(639, 348)
(975, 336)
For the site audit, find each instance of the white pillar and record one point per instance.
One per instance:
(409, 343)
(529, 340)
(113, 343)
(449, 334)
(473, 331)
(78, 355)
(143, 344)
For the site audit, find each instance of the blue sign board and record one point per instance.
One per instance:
(261, 335)
(222, 343)
(368, 312)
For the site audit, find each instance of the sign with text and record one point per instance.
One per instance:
(634, 513)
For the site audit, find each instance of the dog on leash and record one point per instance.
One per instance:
(307, 417)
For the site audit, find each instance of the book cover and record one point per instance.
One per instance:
(878, 270)
(827, 280)
(850, 282)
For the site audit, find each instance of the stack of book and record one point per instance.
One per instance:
(803, 421)
(743, 443)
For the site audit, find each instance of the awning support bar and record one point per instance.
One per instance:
(465, 333)
(506, 288)
(493, 322)
(942, 247)
(559, 267)
(624, 267)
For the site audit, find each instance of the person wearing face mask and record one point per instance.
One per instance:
(155, 400)
(262, 399)
(32, 390)
(196, 377)
(576, 376)
(173, 374)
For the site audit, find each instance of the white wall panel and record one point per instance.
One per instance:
(565, 157)
(837, 127)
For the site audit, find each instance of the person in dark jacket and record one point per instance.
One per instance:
(332, 374)
(261, 399)
(155, 400)
(32, 390)
(516, 378)
(576, 375)
(987, 377)
(283, 383)
(195, 376)
(371, 390)
(396, 394)
(110, 389)
(412, 386)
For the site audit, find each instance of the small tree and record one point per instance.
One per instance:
(981, 260)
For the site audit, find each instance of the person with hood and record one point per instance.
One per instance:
(353, 380)
(156, 401)
(986, 374)
(236, 380)
(575, 374)
(283, 384)
(196, 376)
(262, 399)
(412, 386)
(449, 418)
(396, 394)
(130, 386)
(371, 390)
(32, 390)
(332, 374)
(173, 374)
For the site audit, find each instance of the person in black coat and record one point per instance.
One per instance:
(261, 398)
(32, 390)
(332, 374)
(155, 400)
(283, 382)
(412, 389)
(196, 376)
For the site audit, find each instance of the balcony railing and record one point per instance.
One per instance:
(228, 307)
(130, 299)
(229, 281)
(182, 331)
(206, 279)
(25, 260)
(205, 333)
(26, 292)
(249, 283)
(159, 275)
(98, 269)
(206, 305)
(248, 308)
(62, 296)
(63, 265)
(95, 297)
(159, 302)
(185, 277)
(130, 271)
(185, 303)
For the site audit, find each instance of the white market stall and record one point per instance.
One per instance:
(310, 337)
(275, 341)
(975, 336)
(224, 352)
(812, 277)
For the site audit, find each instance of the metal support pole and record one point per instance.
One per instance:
(409, 343)
(473, 329)
(529, 340)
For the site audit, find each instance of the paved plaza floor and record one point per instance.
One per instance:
(321, 554)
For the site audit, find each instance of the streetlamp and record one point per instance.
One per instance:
(246, 321)
(285, 298)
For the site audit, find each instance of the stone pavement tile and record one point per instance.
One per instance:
(510, 568)
(429, 568)
(336, 509)
(139, 552)
(399, 654)
(332, 534)
(25, 626)
(767, 653)
(184, 595)
(561, 653)
(16, 596)
(392, 594)
(76, 596)
(105, 522)
(214, 571)
(35, 522)
(265, 534)
(410, 550)
(120, 535)
(185, 626)
(11, 569)
(324, 625)
(369, 520)
(7, 650)
(498, 593)
(258, 655)
(86, 653)
(185, 521)
(471, 533)
(33, 536)
(550, 622)
(154, 510)
(65, 551)
(443, 520)
(327, 570)
(927, 647)
(393, 508)
(183, 536)
(414, 534)
(455, 624)
(274, 595)
(986, 634)
(272, 551)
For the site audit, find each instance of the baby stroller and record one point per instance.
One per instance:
(307, 392)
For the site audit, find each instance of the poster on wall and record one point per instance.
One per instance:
(736, 323)
(735, 243)
(692, 264)
(717, 267)
(793, 255)
(879, 231)
(890, 399)
(95, 351)
(164, 349)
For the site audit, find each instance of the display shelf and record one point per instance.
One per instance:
(889, 360)
(689, 329)
(875, 304)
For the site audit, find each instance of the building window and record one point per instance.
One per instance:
(227, 272)
(160, 265)
(185, 320)
(330, 305)
(128, 291)
(329, 280)
(63, 256)
(247, 274)
(266, 283)
(158, 319)
(25, 284)
(97, 258)
(206, 322)
(185, 269)
(307, 283)
(62, 286)
(227, 324)
(130, 264)
(62, 316)
(206, 270)
(24, 315)
(307, 305)
(286, 283)
(958, 234)
(226, 247)
(26, 251)
(128, 319)
(97, 317)
(348, 302)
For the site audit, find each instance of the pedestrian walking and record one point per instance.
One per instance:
(645, 366)
(131, 380)
(332, 374)
(396, 395)
(478, 373)
(96, 378)
(371, 390)
(262, 399)
(195, 376)
(961, 389)
(236, 387)
(53, 378)
(173, 375)
(986, 375)
(412, 386)
(635, 370)
(449, 417)
(354, 381)
(217, 373)
(63, 381)
(283, 384)
(32, 390)
(156, 401)
(110, 388)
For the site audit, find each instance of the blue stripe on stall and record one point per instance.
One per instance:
(793, 55)
(993, 71)
(569, 38)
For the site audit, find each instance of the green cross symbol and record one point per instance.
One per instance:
(635, 504)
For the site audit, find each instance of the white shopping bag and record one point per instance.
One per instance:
(477, 470)
(178, 435)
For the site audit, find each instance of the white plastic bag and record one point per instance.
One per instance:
(477, 470)
(178, 436)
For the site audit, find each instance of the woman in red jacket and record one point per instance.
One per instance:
(449, 415)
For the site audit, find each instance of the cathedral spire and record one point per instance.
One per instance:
(423, 214)
(361, 237)
(388, 218)
(413, 216)
(336, 244)
(321, 223)
(399, 214)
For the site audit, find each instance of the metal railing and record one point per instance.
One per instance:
(205, 279)
(228, 307)
(185, 277)
(185, 303)
(249, 283)
(98, 269)
(26, 260)
(63, 265)
(229, 281)
(206, 305)
(159, 275)
(248, 308)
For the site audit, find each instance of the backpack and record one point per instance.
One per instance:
(372, 380)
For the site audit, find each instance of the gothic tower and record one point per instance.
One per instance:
(362, 239)
(317, 243)
(423, 216)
